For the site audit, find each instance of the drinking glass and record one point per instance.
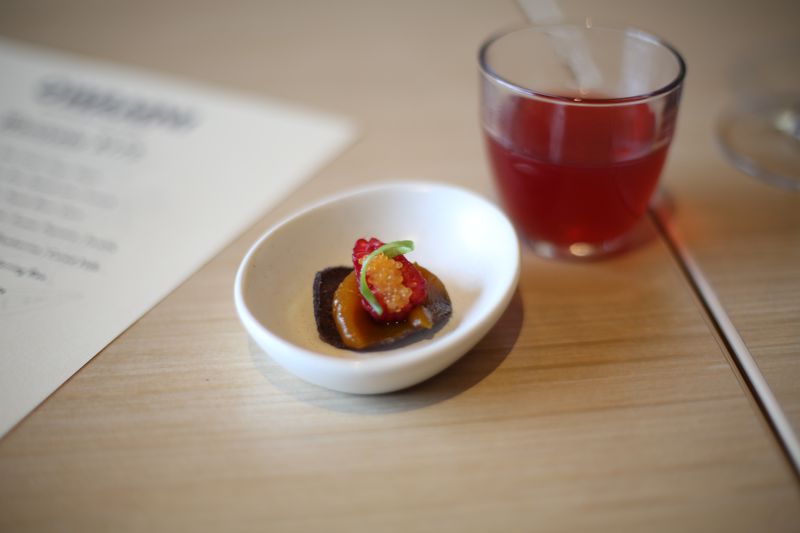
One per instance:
(577, 121)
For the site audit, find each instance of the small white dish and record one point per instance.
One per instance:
(458, 235)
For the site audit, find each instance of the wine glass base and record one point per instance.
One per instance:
(763, 139)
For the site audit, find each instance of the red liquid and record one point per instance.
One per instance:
(577, 174)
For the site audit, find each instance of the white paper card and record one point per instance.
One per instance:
(116, 185)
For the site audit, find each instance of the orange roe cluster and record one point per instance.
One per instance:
(395, 282)
(385, 276)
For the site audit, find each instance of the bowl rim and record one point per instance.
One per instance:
(388, 360)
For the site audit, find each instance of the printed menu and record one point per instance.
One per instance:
(116, 185)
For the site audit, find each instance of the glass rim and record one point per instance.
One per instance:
(492, 74)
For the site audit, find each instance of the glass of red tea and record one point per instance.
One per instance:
(577, 121)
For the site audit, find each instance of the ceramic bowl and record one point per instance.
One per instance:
(458, 235)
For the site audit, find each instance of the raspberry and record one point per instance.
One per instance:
(396, 283)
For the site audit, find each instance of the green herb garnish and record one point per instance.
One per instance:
(390, 250)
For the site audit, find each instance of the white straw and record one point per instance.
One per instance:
(568, 43)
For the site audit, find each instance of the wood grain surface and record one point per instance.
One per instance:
(744, 233)
(601, 400)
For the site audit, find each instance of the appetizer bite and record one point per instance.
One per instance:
(383, 301)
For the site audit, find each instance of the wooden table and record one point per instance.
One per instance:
(605, 398)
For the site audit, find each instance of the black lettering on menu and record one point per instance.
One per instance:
(108, 103)
(51, 133)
